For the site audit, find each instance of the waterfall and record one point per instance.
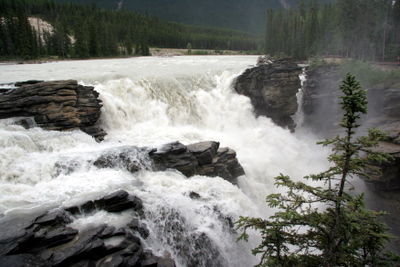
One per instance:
(150, 102)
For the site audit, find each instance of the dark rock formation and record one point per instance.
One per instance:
(321, 98)
(45, 239)
(55, 105)
(322, 113)
(272, 89)
(204, 158)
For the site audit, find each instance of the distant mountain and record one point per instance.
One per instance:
(243, 15)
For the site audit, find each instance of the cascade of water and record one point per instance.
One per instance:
(149, 102)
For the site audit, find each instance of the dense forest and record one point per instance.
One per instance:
(360, 29)
(242, 15)
(82, 31)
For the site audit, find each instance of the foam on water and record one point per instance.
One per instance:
(149, 102)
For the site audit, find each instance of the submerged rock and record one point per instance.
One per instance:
(272, 89)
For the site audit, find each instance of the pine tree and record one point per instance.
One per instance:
(326, 225)
(81, 46)
(25, 45)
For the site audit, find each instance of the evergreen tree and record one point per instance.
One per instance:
(81, 46)
(94, 40)
(25, 45)
(325, 225)
(312, 27)
(395, 18)
(128, 45)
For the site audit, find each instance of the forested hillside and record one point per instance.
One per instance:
(243, 15)
(360, 29)
(83, 31)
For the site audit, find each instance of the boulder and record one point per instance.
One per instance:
(204, 158)
(54, 105)
(272, 89)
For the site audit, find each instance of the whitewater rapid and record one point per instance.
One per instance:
(151, 101)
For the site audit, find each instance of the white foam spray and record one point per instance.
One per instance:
(149, 102)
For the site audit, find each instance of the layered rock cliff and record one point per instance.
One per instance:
(54, 105)
(272, 89)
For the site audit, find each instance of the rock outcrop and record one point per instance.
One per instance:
(54, 105)
(272, 89)
(204, 158)
(47, 239)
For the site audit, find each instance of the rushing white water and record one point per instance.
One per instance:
(149, 102)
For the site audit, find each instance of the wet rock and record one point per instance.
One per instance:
(141, 228)
(204, 158)
(118, 201)
(130, 158)
(272, 89)
(21, 260)
(45, 239)
(175, 156)
(55, 105)
(115, 202)
(387, 180)
(194, 195)
(165, 260)
(54, 217)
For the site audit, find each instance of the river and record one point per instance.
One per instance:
(150, 101)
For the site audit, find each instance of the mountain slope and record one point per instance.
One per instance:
(244, 15)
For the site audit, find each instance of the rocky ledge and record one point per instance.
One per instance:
(49, 239)
(54, 105)
(204, 158)
(272, 89)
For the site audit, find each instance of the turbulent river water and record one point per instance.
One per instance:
(149, 102)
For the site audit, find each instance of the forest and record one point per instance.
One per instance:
(242, 15)
(83, 31)
(359, 29)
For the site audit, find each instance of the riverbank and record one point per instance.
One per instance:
(155, 52)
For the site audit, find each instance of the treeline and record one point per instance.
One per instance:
(83, 31)
(360, 29)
